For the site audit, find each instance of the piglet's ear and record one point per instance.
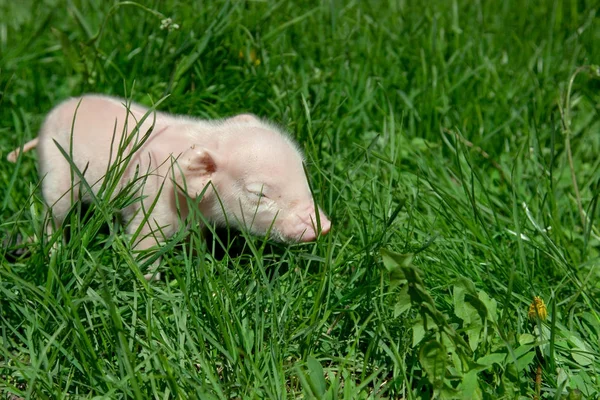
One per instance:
(198, 160)
(194, 170)
(244, 118)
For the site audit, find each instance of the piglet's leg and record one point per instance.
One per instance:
(156, 228)
(60, 186)
(144, 244)
(56, 210)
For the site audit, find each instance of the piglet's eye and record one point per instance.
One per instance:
(257, 189)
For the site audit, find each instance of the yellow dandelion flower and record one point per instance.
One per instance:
(537, 308)
(254, 58)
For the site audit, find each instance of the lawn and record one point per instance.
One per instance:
(454, 144)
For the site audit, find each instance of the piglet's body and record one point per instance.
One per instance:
(256, 169)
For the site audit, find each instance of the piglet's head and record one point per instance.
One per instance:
(259, 177)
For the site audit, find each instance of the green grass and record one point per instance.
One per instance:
(438, 136)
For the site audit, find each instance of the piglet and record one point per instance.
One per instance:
(250, 174)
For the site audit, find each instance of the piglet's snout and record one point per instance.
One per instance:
(308, 229)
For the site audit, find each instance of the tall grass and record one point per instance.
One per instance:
(451, 143)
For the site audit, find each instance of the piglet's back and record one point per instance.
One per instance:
(91, 121)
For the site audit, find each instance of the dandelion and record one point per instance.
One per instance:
(252, 55)
(537, 309)
(254, 58)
